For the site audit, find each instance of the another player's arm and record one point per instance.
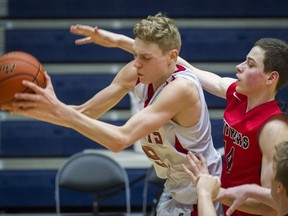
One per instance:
(246, 198)
(207, 188)
(109, 96)
(272, 133)
(211, 82)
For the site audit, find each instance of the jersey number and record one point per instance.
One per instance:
(229, 159)
(154, 138)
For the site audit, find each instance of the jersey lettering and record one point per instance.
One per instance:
(151, 154)
(155, 138)
(237, 137)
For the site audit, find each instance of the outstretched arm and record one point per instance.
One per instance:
(45, 106)
(250, 198)
(211, 82)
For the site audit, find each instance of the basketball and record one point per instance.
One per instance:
(14, 68)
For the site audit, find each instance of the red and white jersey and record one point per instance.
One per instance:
(167, 147)
(243, 157)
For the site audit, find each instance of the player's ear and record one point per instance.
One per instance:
(272, 77)
(280, 187)
(173, 54)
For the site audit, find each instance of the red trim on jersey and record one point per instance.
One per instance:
(195, 211)
(138, 81)
(180, 68)
(179, 147)
(150, 94)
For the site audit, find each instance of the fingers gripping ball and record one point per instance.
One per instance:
(15, 67)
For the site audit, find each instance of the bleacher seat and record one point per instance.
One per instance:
(135, 9)
(78, 88)
(217, 132)
(199, 44)
(34, 189)
(38, 139)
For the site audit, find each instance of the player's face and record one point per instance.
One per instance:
(250, 73)
(152, 65)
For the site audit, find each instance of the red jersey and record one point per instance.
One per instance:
(243, 157)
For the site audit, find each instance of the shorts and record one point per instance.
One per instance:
(169, 206)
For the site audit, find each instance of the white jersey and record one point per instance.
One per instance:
(168, 146)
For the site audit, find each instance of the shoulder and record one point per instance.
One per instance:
(127, 76)
(184, 86)
(276, 123)
(274, 130)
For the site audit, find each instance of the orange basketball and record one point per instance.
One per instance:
(15, 67)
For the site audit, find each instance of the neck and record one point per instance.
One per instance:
(258, 100)
(166, 75)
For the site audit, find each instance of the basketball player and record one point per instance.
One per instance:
(208, 186)
(172, 116)
(253, 121)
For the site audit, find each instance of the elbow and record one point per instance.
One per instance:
(119, 146)
(269, 211)
(116, 149)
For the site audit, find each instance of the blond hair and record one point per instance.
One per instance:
(160, 30)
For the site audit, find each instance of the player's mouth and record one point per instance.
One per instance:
(139, 74)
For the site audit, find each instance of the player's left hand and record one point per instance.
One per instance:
(198, 165)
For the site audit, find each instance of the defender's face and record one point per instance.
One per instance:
(151, 64)
(250, 73)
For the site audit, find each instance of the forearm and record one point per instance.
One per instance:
(251, 205)
(102, 102)
(210, 82)
(205, 204)
(110, 136)
(125, 43)
(263, 195)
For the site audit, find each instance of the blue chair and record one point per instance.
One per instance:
(94, 173)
